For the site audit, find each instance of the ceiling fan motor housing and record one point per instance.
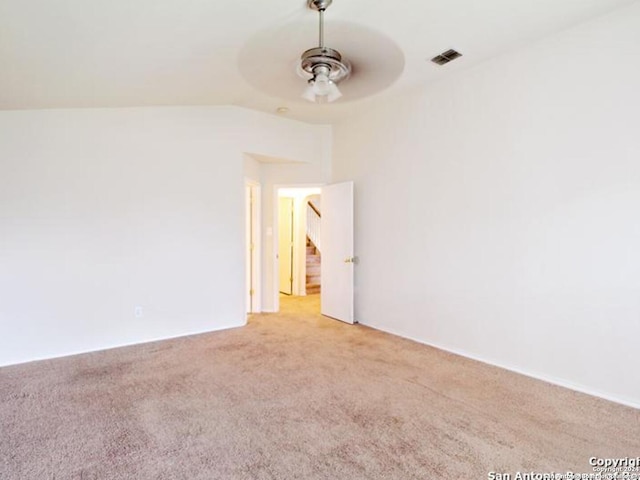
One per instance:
(327, 57)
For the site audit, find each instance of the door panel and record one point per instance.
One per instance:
(337, 252)
(285, 244)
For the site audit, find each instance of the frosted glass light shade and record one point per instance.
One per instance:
(322, 90)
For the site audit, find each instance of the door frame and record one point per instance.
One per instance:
(276, 239)
(253, 256)
(286, 246)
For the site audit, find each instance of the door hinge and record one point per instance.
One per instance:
(251, 292)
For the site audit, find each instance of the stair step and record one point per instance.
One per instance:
(313, 258)
(313, 264)
(313, 270)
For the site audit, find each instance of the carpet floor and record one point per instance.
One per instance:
(295, 396)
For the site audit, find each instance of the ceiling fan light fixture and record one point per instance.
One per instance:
(334, 93)
(309, 93)
(322, 67)
(321, 82)
(320, 91)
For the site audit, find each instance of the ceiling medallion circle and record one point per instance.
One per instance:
(271, 62)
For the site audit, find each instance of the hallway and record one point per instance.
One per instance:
(293, 305)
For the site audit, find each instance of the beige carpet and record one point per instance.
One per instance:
(294, 395)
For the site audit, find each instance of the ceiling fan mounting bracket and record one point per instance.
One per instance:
(319, 5)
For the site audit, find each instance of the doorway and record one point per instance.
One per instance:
(298, 246)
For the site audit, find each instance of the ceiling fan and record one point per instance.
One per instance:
(271, 62)
(321, 66)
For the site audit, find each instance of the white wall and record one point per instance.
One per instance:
(108, 209)
(497, 211)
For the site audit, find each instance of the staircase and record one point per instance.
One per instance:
(313, 268)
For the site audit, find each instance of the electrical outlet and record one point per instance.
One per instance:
(138, 312)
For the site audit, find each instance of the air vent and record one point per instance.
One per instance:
(446, 57)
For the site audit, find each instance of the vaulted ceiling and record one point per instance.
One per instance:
(122, 53)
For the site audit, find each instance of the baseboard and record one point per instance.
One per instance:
(538, 376)
(121, 345)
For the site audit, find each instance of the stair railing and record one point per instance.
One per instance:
(313, 225)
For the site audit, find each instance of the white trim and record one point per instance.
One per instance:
(538, 376)
(127, 344)
(256, 216)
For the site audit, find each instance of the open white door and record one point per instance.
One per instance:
(337, 252)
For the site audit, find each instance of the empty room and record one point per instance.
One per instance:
(319, 239)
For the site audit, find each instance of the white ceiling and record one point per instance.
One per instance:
(117, 53)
